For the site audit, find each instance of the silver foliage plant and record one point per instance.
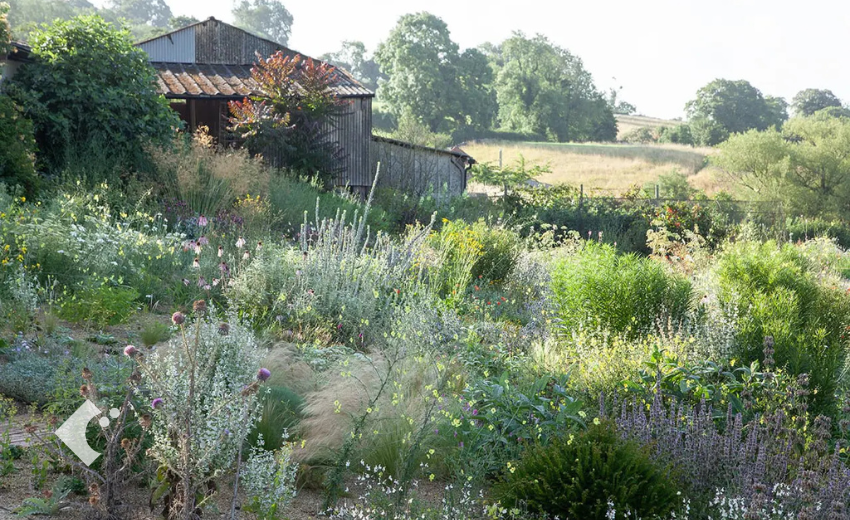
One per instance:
(204, 387)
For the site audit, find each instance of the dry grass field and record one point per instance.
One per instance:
(607, 169)
(626, 124)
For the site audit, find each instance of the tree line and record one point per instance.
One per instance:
(147, 18)
(524, 85)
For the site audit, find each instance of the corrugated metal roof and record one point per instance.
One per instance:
(455, 151)
(201, 49)
(188, 80)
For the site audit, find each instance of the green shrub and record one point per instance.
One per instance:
(679, 134)
(154, 332)
(28, 378)
(281, 412)
(642, 135)
(99, 306)
(628, 294)
(776, 290)
(17, 155)
(500, 249)
(594, 475)
(457, 250)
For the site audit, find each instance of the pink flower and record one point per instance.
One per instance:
(263, 374)
(157, 403)
(203, 241)
(240, 243)
(246, 256)
(130, 351)
(202, 221)
(178, 318)
(220, 251)
(196, 263)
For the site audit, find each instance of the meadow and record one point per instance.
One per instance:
(607, 168)
(273, 350)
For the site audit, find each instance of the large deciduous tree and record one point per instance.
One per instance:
(725, 107)
(808, 101)
(420, 61)
(430, 79)
(353, 58)
(545, 89)
(154, 13)
(89, 85)
(804, 165)
(268, 18)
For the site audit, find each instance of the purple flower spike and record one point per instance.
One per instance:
(130, 351)
(263, 374)
(157, 403)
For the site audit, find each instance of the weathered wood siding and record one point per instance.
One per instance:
(418, 170)
(352, 131)
(220, 43)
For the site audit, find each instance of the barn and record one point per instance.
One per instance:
(203, 66)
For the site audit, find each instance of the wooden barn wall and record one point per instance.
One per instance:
(418, 171)
(352, 131)
(220, 44)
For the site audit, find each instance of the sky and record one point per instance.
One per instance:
(659, 51)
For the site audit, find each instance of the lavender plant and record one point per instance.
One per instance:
(778, 463)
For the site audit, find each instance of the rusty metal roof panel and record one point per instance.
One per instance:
(186, 80)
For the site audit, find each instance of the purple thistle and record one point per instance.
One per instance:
(263, 374)
(130, 351)
(157, 403)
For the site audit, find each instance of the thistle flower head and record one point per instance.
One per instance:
(157, 403)
(263, 374)
(199, 306)
(223, 329)
(178, 318)
(130, 351)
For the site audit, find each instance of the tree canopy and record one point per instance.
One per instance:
(155, 13)
(353, 58)
(725, 107)
(89, 84)
(268, 18)
(429, 77)
(808, 101)
(805, 164)
(544, 89)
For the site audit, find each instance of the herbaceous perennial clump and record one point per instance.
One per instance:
(204, 386)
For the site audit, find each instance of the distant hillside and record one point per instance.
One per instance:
(626, 124)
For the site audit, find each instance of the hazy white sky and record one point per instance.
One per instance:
(659, 51)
